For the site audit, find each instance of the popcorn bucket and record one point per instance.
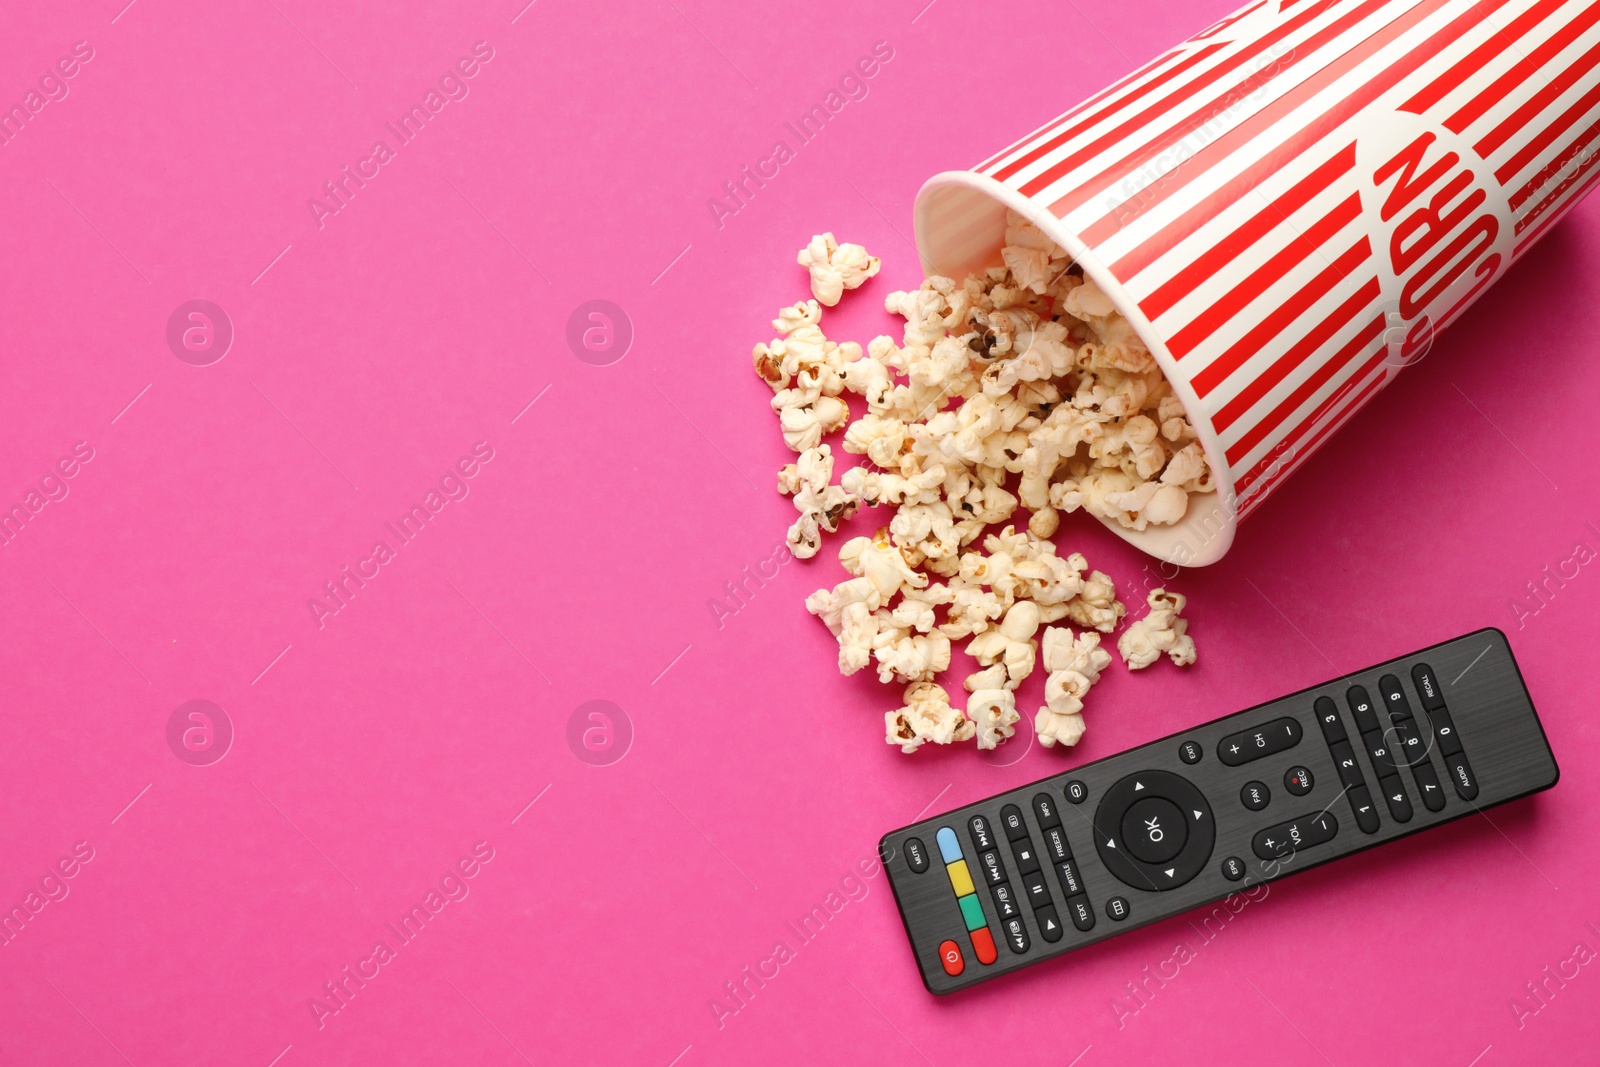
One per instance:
(1289, 205)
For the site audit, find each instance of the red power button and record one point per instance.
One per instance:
(950, 956)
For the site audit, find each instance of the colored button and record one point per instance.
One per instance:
(983, 945)
(949, 847)
(972, 913)
(960, 877)
(916, 855)
(950, 956)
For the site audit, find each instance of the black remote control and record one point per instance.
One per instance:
(1166, 827)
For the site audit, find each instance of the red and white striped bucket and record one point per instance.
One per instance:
(1289, 205)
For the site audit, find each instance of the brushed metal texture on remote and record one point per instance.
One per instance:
(1494, 720)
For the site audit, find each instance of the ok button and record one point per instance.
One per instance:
(1154, 830)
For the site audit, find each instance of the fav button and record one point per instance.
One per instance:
(950, 956)
(1254, 795)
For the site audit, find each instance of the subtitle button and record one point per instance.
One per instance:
(950, 956)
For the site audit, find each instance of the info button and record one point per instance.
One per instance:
(1154, 830)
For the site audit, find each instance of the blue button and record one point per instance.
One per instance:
(949, 847)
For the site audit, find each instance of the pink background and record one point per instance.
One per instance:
(372, 753)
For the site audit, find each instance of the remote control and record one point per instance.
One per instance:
(1157, 830)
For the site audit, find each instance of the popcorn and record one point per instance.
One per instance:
(926, 716)
(835, 267)
(1019, 387)
(994, 713)
(1074, 664)
(822, 506)
(1143, 642)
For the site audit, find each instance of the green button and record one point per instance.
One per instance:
(972, 911)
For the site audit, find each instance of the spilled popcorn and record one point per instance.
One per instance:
(1018, 388)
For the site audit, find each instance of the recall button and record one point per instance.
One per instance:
(1427, 684)
(950, 956)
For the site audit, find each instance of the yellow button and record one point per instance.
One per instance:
(960, 877)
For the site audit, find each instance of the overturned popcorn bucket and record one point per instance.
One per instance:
(1289, 205)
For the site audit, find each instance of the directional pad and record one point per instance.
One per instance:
(1154, 830)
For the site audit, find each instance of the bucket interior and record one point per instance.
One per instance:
(960, 220)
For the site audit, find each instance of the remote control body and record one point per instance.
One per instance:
(1158, 830)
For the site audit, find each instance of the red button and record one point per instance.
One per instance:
(950, 956)
(983, 945)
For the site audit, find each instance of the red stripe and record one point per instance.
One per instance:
(1298, 143)
(1040, 151)
(1083, 190)
(1334, 424)
(1555, 194)
(1161, 107)
(1289, 443)
(1148, 68)
(1264, 277)
(1229, 248)
(1501, 42)
(1217, 27)
(1530, 67)
(1261, 337)
(1308, 388)
(1258, 387)
(1584, 140)
(1547, 136)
